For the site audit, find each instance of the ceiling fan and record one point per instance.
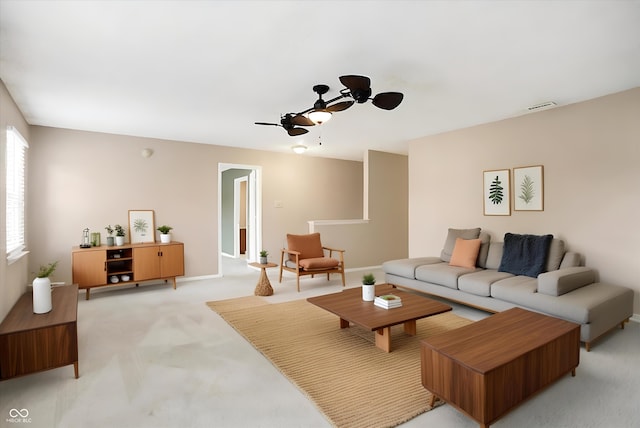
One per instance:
(356, 87)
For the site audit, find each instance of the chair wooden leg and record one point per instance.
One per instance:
(281, 264)
(343, 281)
(298, 282)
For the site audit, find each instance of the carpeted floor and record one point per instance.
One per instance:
(353, 383)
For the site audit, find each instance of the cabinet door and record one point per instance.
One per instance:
(171, 260)
(146, 263)
(88, 268)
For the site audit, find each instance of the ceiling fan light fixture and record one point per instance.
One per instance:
(299, 148)
(319, 116)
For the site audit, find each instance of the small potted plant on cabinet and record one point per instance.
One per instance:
(109, 230)
(42, 289)
(119, 234)
(263, 257)
(368, 287)
(165, 236)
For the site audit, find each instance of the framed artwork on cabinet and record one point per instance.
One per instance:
(141, 226)
(497, 195)
(528, 188)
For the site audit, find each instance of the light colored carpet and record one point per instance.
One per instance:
(353, 383)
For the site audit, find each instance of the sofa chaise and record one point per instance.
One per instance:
(527, 271)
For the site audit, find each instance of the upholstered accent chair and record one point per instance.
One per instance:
(306, 255)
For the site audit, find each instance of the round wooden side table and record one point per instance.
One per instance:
(263, 288)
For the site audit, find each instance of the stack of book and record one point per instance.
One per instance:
(388, 301)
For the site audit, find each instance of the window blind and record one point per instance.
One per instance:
(16, 166)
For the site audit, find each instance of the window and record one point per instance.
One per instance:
(16, 160)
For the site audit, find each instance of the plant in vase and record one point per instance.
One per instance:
(368, 287)
(119, 234)
(263, 257)
(109, 230)
(42, 289)
(165, 236)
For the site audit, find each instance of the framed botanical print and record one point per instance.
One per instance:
(497, 195)
(141, 226)
(528, 188)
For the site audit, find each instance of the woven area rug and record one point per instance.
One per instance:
(353, 383)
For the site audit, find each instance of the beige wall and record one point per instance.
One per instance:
(13, 278)
(85, 179)
(383, 236)
(591, 157)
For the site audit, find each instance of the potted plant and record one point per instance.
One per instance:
(109, 230)
(263, 257)
(119, 234)
(42, 289)
(368, 287)
(165, 236)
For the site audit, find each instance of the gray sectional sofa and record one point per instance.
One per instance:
(563, 288)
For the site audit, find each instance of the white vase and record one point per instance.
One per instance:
(41, 295)
(165, 238)
(119, 240)
(368, 292)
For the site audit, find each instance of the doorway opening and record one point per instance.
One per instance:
(239, 212)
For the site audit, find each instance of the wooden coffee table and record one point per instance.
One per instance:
(350, 307)
(487, 368)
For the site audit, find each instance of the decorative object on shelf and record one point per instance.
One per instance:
(114, 279)
(86, 243)
(528, 188)
(125, 278)
(165, 236)
(141, 226)
(119, 235)
(368, 287)
(110, 240)
(42, 289)
(95, 239)
(263, 257)
(497, 195)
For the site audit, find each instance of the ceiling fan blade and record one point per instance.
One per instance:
(387, 100)
(301, 120)
(343, 105)
(294, 132)
(266, 123)
(354, 82)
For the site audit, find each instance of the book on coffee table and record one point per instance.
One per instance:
(388, 301)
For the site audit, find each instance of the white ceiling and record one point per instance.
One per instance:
(205, 71)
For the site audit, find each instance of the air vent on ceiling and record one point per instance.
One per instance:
(542, 106)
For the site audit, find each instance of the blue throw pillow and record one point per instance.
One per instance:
(525, 254)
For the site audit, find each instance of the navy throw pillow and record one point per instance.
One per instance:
(525, 254)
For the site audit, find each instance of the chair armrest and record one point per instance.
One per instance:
(292, 252)
(332, 249)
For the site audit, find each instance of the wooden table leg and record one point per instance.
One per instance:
(410, 327)
(264, 286)
(383, 339)
(76, 370)
(344, 323)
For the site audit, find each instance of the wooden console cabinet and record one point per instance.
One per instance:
(134, 263)
(31, 343)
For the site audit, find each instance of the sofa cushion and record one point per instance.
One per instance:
(485, 242)
(525, 254)
(514, 289)
(479, 283)
(319, 263)
(562, 281)
(407, 267)
(309, 246)
(494, 255)
(442, 274)
(465, 253)
(450, 242)
(556, 253)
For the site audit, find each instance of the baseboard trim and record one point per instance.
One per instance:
(635, 318)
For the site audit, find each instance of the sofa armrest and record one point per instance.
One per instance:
(562, 281)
